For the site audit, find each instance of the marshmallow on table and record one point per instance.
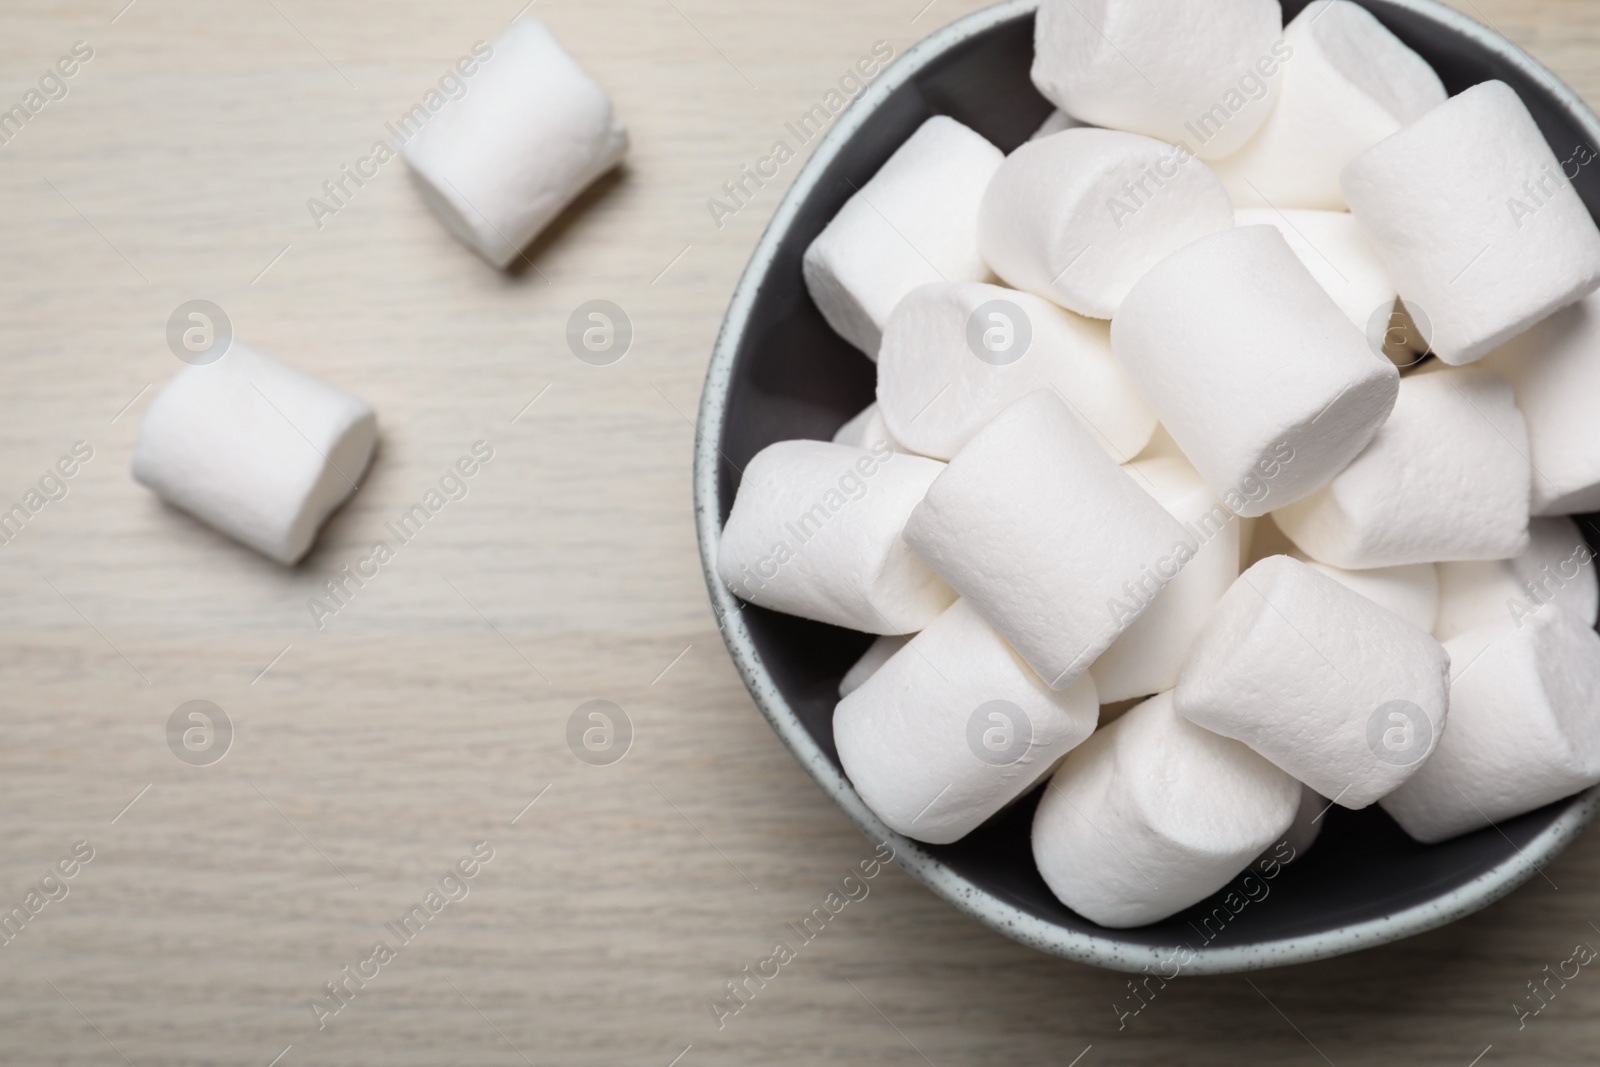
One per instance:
(1557, 569)
(1554, 370)
(256, 449)
(914, 223)
(1338, 255)
(1312, 675)
(1446, 478)
(1147, 657)
(1411, 590)
(955, 355)
(1349, 84)
(1048, 538)
(1055, 122)
(865, 429)
(1079, 216)
(815, 531)
(1200, 72)
(1253, 369)
(877, 654)
(1524, 728)
(1153, 814)
(953, 728)
(534, 131)
(1479, 227)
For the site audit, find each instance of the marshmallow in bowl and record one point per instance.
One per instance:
(877, 654)
(1554, 370)
(1557, 568)
(866, 428)
(1349, 84)
(534, 131)
(1146, 658)
(1153, 814)
(1205, 72)
(815, 532)
(955, 355)
(1308, 673)
(1332, 247)
(1446, 478)
(1008, 526)
(255, 448)
(1477, 223)
(1524, 728)
(954, 727)
(1079, 216)
(1252, 367)
(914, 223)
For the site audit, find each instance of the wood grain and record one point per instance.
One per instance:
(370, 755)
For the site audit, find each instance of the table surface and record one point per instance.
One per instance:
(430, 713)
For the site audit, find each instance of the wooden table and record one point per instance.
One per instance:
(430, 713)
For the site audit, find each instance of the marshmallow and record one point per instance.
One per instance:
(1332, 247)
(1079, 216)
(1153, 814)
(914, 223)
(1446, 478)
(876, 655)
(954, 356)
(1475, 220)
(1556, 570)
(865, 429)
(1524, 729)
(1055, 122)
(500, 163)
(1410, 591)
(815, 532)
(1055, 546)
(1349, 84)
(1200, 71)
(953, 728)
(1554, 369)
(1312, 676)
(256, 449)
(1147, 657)
(1253, 369)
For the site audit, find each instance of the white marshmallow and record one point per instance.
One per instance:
(1252, 367)
(1524, 729)
(1055, 122)
(914, 223)
(876, 655)
(954, 356)
(1349, 84)
(1079, 216)
(533, 132)
(1411, 591)
(815, 532)
(1308, 673)
(865, 429)
(1446, 478)
(1196, 71)
(1153, 814)
(1339, 257)
(256, 449)
(1557, 569)
(1147, 657)
(1554, 369)
(1054, 545)
(1478, 225)
(953, 728)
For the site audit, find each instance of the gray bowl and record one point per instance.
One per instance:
(778, 372)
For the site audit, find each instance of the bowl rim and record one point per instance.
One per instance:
(1102, 950)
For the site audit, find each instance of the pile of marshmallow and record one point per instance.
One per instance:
(1142, 508)
(264, 452)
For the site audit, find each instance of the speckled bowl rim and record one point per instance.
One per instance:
(1102, 950)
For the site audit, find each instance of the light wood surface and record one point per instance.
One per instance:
(371, 755)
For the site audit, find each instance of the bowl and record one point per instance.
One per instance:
(779, 372)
